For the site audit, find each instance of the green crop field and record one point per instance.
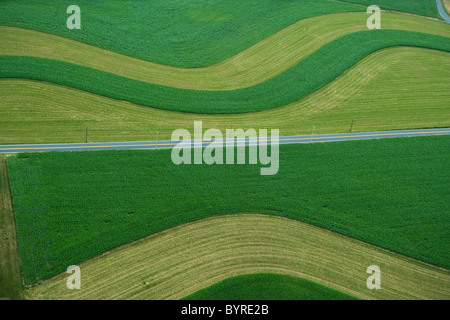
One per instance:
(181, 261)
(100, 200)
(266, 286)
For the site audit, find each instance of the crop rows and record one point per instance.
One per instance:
(304, 78)
(255, 64)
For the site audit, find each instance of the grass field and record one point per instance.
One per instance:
(181, 261)
(304, 78)
(255, 64)
(391, 193)
(420, 7)
(10, 278)
(396, 88)
(191, 33)
(267, 286)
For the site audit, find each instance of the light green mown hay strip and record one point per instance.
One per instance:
(397, 88)
(256, 64)
(267, 286)
(183, 260)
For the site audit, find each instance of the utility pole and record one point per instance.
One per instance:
(86, 134)
(351, 128)
(312, 134)
(157, 134)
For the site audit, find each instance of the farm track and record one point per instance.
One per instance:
(10, 277)
(185, 259)
(258, 63)
(416, 97)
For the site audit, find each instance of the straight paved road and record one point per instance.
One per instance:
(197, 143)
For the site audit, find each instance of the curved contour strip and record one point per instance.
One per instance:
(256, 64)
(416, 97)
(306, 77)
(183, 260)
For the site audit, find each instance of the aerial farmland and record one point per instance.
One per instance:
(252, 150)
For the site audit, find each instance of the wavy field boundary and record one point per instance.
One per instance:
(256, 64)
(192, 33)
(304, 78)
(395, 88)
(181, 261)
